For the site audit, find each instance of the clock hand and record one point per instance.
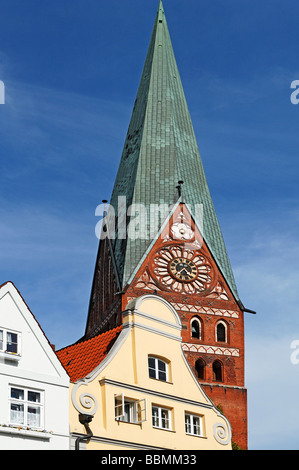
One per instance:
(183, 272)
(180, 270)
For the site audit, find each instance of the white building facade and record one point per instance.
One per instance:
(34, 386)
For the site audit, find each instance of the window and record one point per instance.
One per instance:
(9, 341)
(196, 328)
(221, 332)
(128, 410)
(217, 371)
(158, 369)
(161, 417)
(200, 368)
(193, 424)
(25, 407)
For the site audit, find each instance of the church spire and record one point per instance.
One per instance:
(185, 262)
(160, 149)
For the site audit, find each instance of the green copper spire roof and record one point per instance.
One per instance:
(161, 149)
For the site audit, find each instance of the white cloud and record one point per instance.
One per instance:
(266, 254)
(273, 387)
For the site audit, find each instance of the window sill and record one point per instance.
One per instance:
(20, 431)
(10, 356)
(195, 435)
(161, 381)
(163, 429)
(128, 422)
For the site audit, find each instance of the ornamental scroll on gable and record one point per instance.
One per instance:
(179, 262)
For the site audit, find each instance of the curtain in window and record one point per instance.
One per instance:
(155, 417)
(16, 413)
(33, 416)
(12, 342)
(165, 419)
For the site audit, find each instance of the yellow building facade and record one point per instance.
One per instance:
(142, 395)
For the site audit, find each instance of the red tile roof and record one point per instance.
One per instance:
(81, 358)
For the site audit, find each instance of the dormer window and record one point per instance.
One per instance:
(9, 341)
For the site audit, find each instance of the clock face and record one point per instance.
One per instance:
(183, 269)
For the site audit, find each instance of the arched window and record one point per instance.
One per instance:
(200, 368)
(221, 332)
(217, 371)
(158, 369)
(196, 328)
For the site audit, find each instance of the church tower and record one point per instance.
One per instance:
(161, 235)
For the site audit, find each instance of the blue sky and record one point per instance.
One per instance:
(71, 69)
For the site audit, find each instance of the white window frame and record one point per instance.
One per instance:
(193, 426)
(128, 410)
(160, 419)
(158, 370)
(4, 342)
(25, 403)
